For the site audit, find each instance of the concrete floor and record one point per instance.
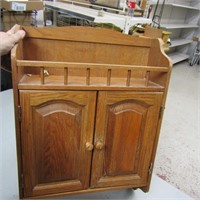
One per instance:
(178, 154)
(160, 189)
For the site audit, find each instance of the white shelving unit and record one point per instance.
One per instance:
(181, 6)
(180, 17)
(177, 26)
(178, 57)
(179, 42)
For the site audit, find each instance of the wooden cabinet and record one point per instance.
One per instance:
(86, 127)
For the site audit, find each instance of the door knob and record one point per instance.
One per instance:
(99, 145)
(89, 146)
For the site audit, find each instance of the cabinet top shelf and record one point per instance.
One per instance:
(128, 77)
(96, 83)
(87, 58)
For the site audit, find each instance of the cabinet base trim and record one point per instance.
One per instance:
(87, 191)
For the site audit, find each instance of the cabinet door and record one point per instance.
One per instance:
(56, 140)
(126, 124)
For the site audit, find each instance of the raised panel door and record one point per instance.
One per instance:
(126, 124)
(55, 132)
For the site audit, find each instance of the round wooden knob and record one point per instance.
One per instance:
(89, 146)
(99, 145)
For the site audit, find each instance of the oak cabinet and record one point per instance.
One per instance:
(86, 126)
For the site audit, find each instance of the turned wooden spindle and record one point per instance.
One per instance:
(65, 76)
(128, 80)
(147, 78)
(42, 75)
(108, 77)
(88, 76)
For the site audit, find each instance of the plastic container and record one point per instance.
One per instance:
(131, 8)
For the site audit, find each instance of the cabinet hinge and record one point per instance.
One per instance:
(22, 181)
(150, 168)
(19, 114)
(161, 111)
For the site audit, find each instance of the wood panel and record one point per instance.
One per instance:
(86, 52)
(54, 137)
(126, 126)
(57, 122)
(85, 34)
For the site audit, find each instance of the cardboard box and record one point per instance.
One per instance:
(24, 5)
(10, 18)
